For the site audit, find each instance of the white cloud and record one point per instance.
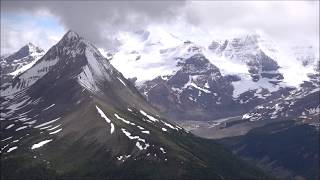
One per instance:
(18, 32)
(289, 21)
(286, 21)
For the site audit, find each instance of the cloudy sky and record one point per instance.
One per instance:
(44, 22)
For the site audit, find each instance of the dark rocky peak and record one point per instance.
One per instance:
(214, 45)
(198, 64)
(267, 63)
(71, 46)
(197, 60)
(33, 48)
(70, 40)
(71, 36)
(252, 38)
(193, 48)
(71, 56)
(223, 47)
(241, 43)
(25, 51)
(218, 47)
(248, 41)
(73, 51)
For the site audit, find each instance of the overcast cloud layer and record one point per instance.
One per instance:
(98, 21)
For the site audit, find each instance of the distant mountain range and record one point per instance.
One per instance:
(214, 79)
(72, 115)
(127, 109)
(246, 90)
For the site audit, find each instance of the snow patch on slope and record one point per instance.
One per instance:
(246, 84)
(149, 116)
(139, 140)
(96, 70)
(122, 119)
(30, 76)
(106, 119)
(24, 68)
(12, 148)
(23, 64)
(95, 67)
(85, 79)
(40, 144)
(47, 123)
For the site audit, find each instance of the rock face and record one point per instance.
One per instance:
(72, 115)
(247, 50)
(197, 90)
(188, 81)
(19, 61)
(301, 104)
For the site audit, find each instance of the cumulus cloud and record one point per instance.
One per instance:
(99, 21)
(283, 20)
(17, 31)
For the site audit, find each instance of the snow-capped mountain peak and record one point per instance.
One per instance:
(18, 62)
(33, 49)
(27, 50)
(72, 56)
(252, 66)
(71, 36)
(72, 104)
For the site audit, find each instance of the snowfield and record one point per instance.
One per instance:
(156, 52)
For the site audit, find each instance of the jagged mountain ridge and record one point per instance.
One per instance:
(247, 50)
(16, 63)
(250, 64)
(72, 115)
(197, 88)
(301, 104)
